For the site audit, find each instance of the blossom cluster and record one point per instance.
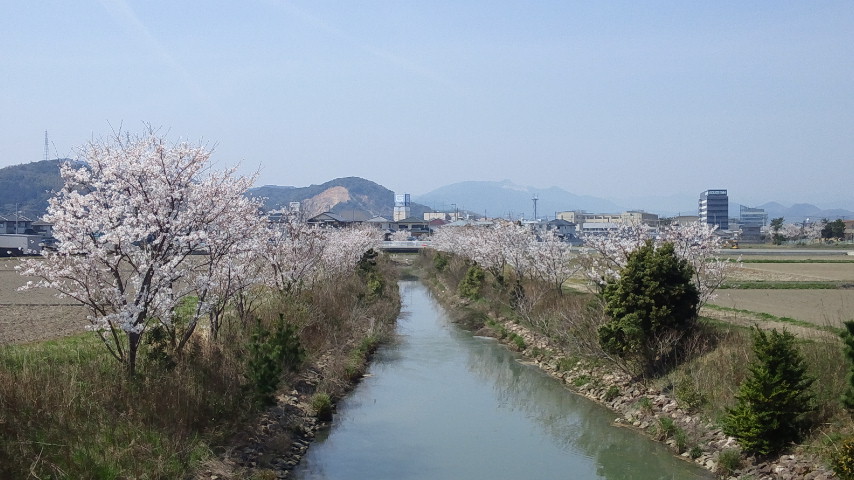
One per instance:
(142, 226)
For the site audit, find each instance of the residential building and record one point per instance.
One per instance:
(16, 224)
(415, 226)
(714, 208)
(328, 219)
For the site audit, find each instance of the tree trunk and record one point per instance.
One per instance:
(133, 346)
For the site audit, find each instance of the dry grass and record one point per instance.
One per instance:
(715, 360)
(67, 409)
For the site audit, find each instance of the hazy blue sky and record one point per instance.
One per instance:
(612, 99)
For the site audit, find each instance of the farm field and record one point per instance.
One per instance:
(39, 315)
(819, 307)
(795, 272)
(35, 314)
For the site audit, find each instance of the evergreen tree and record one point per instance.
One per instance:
(650, 305)
(774, 400)
(470, 285)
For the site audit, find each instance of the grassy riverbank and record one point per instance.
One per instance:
(68, 410)
(684, 404)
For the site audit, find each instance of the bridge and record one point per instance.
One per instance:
(404, 246)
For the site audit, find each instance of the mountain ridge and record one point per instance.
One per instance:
(29, 186)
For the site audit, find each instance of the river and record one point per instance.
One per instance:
(440, 403)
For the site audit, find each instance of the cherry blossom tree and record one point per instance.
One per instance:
(698, 244)
(299, 255)
(142, 225)
(293, 255)
(609, 253)
(695, 242)
(345, 247)
(553, 260)
(399, 236)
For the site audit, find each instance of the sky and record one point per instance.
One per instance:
(613, 99)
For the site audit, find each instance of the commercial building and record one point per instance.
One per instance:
(609, 221)
(714, 208)
(752, 216)
(402, 204)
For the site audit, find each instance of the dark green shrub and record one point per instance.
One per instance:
(695, 452)
(580, 381)
(270, 353)
(612, 393)
(689, 395)
(440, 262)
(681, 439)
(519, 342)
(471, 284)
(368, 262)
(774, 399)
(157, 349)
(375, 285)
(367, 268)
(649, 306)
(666, 428)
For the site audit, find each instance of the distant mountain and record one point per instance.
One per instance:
(800, 212)
(664, 205)
(351, 197)
(29, 186)
(505, 198)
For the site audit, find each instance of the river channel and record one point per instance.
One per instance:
(440, 403)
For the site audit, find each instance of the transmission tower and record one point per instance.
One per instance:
(535, 206)
(45, 146)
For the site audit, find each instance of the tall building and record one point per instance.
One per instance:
(714, 208)
(752, 216)
(401, 206)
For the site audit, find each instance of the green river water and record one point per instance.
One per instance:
(440, 403)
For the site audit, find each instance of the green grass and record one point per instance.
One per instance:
(774, 318)
(68, 410)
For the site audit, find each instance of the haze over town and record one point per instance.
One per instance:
(618, 100)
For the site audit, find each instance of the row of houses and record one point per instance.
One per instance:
(22, 225)
(418, 228)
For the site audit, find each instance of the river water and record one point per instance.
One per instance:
(440, 403)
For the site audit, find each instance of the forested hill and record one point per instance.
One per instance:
(351, 197)
(29, 185)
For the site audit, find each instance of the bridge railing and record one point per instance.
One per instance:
(404, 245)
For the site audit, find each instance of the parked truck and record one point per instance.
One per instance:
(13, 245)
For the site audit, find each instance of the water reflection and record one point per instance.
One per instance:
(443, 404)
